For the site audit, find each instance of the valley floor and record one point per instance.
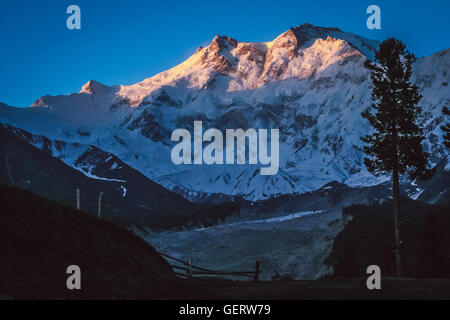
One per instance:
(288, 247)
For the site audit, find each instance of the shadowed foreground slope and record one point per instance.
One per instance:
(369, 239)
(40, 238)
(336, 289)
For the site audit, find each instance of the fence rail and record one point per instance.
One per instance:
(191, 270)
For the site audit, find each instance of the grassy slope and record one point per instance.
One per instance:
(40, 238)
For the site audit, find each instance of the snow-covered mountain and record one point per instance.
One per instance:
(309, 82)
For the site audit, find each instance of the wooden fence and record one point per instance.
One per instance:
(191, 271)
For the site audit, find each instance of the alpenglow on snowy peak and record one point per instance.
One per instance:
(309, 82)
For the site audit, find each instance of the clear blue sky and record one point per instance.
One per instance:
(123, 42)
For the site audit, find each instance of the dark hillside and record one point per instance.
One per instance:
(40, 238)
(368, 239)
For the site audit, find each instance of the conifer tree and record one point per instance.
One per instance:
(395, 146)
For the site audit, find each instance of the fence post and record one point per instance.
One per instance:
(78, 199)
(190, 269)
(100, 204)
(256, 277)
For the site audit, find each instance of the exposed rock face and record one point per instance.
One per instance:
(149, 127)
(213, 56)
(221, 43)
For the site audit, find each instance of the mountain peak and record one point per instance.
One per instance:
(309, 27)
(221, 43)
(308, 33)
(296, 37)
(41, 102)
(93, 87)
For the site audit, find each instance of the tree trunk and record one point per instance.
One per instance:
(396, 194)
